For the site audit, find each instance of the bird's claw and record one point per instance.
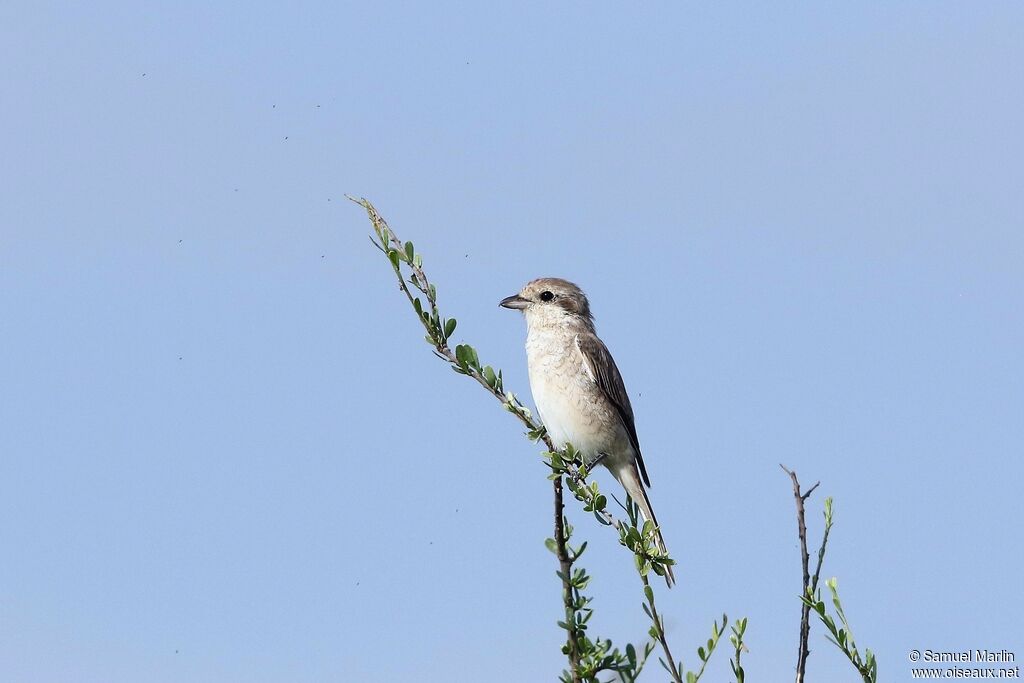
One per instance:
(588, 467)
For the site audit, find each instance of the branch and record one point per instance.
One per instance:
(439, 331)
(464, 359)
(658, 631)
(824, 542)
(565, 572)
(567, 465)
(805, 625)
(841, 634)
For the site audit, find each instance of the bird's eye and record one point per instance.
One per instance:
(546, 296)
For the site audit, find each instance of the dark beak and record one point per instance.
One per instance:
(514, 301)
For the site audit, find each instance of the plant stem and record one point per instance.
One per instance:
(442, 350)
(805, 609)
(565, 565)
(659, 627)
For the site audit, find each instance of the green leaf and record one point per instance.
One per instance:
(409, 251)
(449, 326)
(550, 544)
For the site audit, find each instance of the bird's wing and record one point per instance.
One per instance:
(601, 367)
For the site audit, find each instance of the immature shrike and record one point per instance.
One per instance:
(577, 387)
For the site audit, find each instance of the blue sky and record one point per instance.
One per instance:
(227, 455)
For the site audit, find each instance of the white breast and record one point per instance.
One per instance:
(566, 397)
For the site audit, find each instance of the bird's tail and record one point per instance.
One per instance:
(629, 477)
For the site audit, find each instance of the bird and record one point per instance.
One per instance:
(577, 388)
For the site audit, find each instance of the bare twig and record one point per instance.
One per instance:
(805, 624)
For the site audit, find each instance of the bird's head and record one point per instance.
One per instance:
(551, 300)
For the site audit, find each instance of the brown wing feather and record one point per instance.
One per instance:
(604, 371)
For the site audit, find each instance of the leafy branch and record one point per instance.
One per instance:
(465, 361)
(587, 658)
(841, 637)
(738, 629)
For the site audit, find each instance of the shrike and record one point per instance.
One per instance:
(577, 387)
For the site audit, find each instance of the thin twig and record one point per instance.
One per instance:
(821, 550)
(659, 627)
(805, 624)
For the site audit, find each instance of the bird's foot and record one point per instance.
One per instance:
(588, 466)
